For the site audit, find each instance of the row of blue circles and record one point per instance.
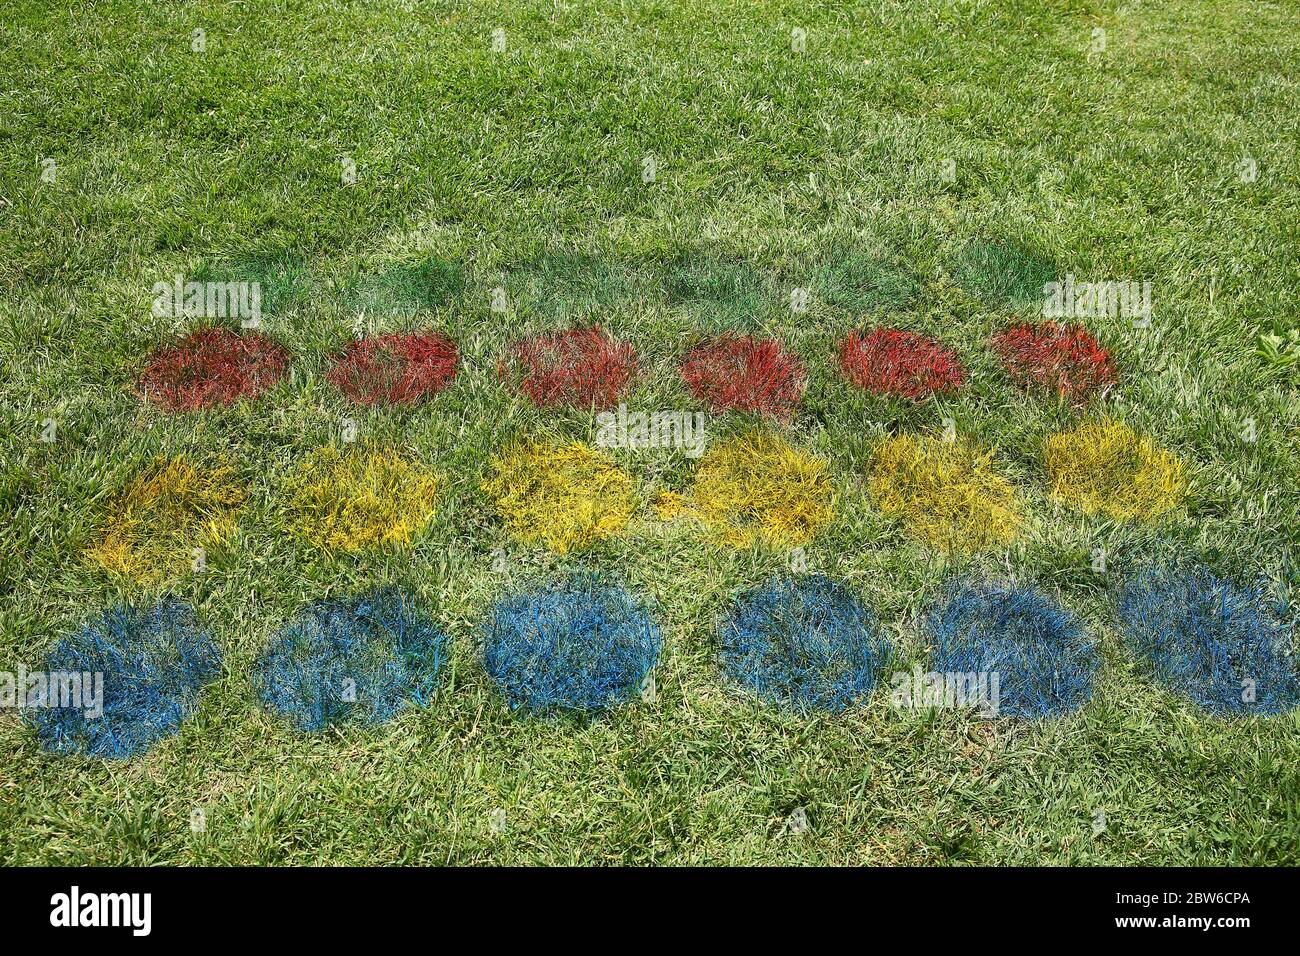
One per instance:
(585, 644)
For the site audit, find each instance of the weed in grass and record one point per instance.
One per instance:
(360, 498)
(1107, 468)
(945, 493)
(1281, 353)
(156, 523)
(564, 496)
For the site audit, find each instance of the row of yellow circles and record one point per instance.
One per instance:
(754, 489)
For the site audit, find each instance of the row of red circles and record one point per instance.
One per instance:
(587, 368)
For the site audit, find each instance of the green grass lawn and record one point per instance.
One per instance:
(522, 168)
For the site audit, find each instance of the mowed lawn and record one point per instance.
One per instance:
(917, 164)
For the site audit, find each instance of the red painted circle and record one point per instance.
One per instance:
(905, 364)
(395, 369)
(1064, 358)
(744, 373)
(579, 368)
(210, 367)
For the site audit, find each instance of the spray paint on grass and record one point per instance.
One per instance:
(806, 643)
(746, 374)
(574, 368)
(395, 369)
(164, 522)
(900, 364)
(213, 367)
(1219, 644)
(564, 496)
(1105, 468)
(945, 493)
(361, 660)
(348, 501)
(1066, 359)
(756, 490)
(582, 643)
(1043, 660)
(154, 660)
